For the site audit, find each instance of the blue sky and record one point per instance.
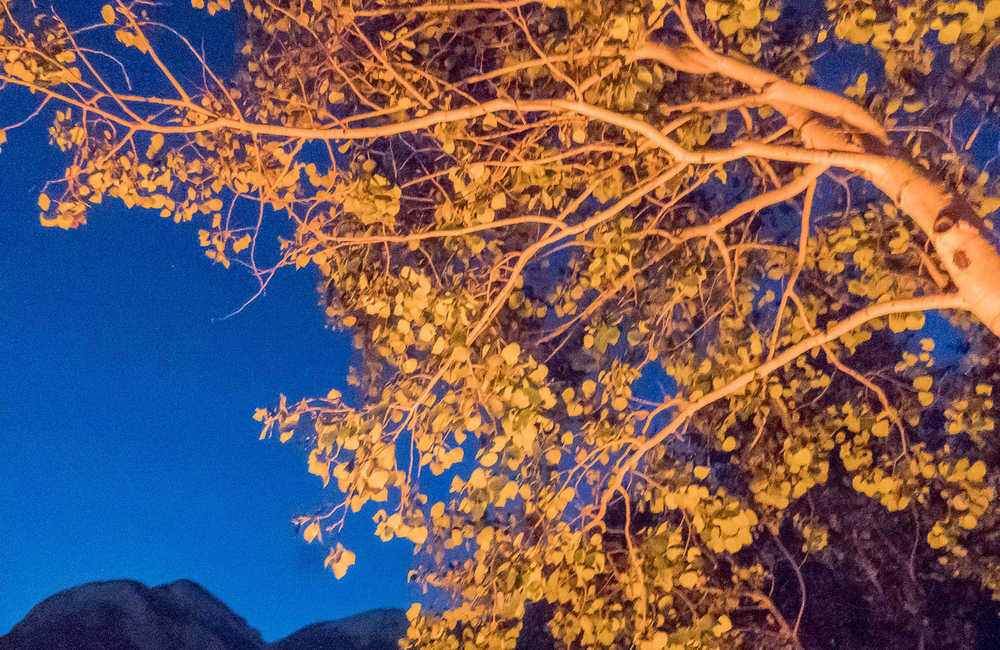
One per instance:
(126, 436)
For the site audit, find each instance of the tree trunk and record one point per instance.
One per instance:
(951, 224)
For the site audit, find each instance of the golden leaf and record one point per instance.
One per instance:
(241, 244)
(319, 467)
(880, 429)
(688, 579)
(951, 32)
(155, 143)
(510, 354)
(977, 471)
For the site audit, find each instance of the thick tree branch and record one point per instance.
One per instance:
(950, 223)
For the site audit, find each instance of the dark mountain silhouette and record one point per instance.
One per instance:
(183, 615)
(372, 630)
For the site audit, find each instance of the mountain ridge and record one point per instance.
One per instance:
(183, 615)
(180, 615)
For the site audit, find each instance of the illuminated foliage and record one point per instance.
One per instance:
(648, 300)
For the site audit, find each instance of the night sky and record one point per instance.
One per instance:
(127, 444)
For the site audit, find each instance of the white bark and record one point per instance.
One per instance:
(949, 222)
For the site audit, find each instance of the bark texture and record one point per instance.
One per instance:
(950, 223)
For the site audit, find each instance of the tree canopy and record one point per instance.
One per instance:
(667, 324)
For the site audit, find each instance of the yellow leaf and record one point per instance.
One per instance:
(729, 444)
(553, 456)
(976, 472)
(318, 467)
(154, 144)
(991, 10)
(418, 535)
(750, 16)
(688, 579)
(905, 32)
(477, 479)
(915, 320)
(414, 611)
(477, 170)
(935, 538)
(713, 10)
(950, 32)
(620, 29)
(519, 399)
(925, 398)
(508, 492)
(499, 201)
(922, 383)
(241, 244)
(339, 560)
(880, 429)
(728, 26)
(861, 87)
(378, 478)
(311, 532)
(44, 202)
(700, 472)
(657, 642)
(511, 353)
(588, 387)
(108, 14)
(800, 458)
